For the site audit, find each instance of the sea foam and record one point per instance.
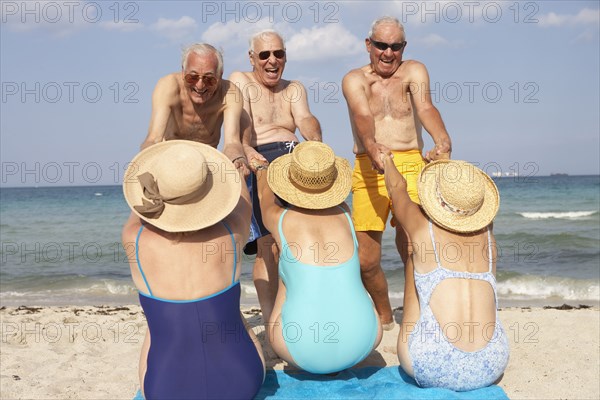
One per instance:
(560, 215)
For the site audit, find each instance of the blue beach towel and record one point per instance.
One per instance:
(361, 383)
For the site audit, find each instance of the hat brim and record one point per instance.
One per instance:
(218, 202)
(279, 181)
(454, 222)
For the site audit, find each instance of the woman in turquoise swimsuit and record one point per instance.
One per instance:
(450, 334)
(323, 320)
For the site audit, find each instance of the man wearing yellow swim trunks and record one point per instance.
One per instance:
(389, 102)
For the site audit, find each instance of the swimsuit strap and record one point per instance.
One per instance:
(437, 259)
(351, 226)
(234, 251)
(137, 259)
(489, 249)
(279, 226)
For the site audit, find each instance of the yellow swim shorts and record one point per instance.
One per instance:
(371, 204)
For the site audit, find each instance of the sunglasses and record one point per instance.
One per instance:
(192, 79)
(263, 55)
(384, 46)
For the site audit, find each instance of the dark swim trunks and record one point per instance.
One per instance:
(270, 151)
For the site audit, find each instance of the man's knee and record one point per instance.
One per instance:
(370, 264)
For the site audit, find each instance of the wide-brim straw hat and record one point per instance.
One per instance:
(181, 185)
(311, 176)
(458, 196)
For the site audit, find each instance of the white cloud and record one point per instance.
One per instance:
(240, 32)
(175, 30)
(586, 16)
(224, 33)
(332, 40)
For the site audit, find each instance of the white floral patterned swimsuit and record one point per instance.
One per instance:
(436, 361)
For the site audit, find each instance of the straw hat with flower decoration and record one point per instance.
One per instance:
(181, 185)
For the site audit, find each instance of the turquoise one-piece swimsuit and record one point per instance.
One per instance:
(329, 323)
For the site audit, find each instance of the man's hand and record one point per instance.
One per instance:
(375, 151)
(241, 164)
(440, 151)
(258, 162)
(254, 158)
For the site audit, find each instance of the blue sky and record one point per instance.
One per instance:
(517, 83)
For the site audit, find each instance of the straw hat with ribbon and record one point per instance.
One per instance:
(181, 185)
(458, 196)
(311, 176)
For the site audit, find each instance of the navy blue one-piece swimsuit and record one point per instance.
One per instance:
(199, 348)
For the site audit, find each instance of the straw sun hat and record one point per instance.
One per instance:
(311, 176)
(458, 196)
(181, 185)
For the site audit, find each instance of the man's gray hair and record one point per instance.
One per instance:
(261, 34)
(386, 20)
(202, 49)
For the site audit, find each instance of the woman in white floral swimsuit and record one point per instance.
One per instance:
(450, 335)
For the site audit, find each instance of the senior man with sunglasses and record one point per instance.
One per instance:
(389, 102)
(193, 104)
(273, 109)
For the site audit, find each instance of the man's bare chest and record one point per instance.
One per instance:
(190, 124)
(272, 109)
(392, 100)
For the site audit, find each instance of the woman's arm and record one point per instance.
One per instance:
(405, 210)
(269, 207)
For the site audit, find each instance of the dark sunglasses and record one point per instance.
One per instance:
(384, 46)
(263, 55)
(208, 80)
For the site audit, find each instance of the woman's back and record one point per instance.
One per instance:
(317, 237)
(183, 266)
(455, 277)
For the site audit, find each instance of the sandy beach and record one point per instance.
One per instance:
(92, 352)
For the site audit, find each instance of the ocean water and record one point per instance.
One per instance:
(61, 245)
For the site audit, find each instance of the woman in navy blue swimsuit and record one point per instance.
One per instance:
(190, 217)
